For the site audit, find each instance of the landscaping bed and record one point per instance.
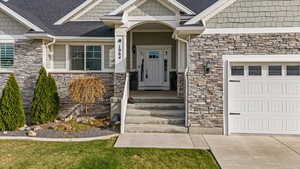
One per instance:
(81, 127)
(98, 155)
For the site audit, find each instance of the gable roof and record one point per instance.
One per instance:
(44, 13)
(20, 18)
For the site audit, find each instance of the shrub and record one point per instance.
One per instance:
(86, 90)
(12, 114)
(45, 104)
(54, 97)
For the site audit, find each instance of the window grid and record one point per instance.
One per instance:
(6, 55)
(265, 70)
(92, 57)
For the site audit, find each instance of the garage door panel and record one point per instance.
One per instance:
(259, 125)
(264, 104)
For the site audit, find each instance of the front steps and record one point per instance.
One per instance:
(155, 115)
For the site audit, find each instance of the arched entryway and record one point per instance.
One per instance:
(152, 57)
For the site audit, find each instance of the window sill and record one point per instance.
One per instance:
(6, 71)
(79, 72)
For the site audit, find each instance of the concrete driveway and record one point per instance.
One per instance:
(256, 152)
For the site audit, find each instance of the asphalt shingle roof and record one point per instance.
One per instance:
(44, 13)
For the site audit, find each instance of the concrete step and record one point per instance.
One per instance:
(156, 100)
(148, 128)
(157, 106)
(155, 113)
(154, 120)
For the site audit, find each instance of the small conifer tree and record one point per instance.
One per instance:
(45, 104)
(12, 114)
(54, 97)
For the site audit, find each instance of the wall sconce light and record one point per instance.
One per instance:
(134, 49)
(207, 67)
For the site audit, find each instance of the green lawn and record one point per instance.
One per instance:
(97, 155)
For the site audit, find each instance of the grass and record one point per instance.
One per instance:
(98, 155)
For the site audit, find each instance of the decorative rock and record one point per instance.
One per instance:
(69, 118)
(36, 128)
(31, 134)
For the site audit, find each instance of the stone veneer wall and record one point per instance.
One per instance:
(180, 84)
(119, 82)
(206, 90)
(63, 81)
(27, 62)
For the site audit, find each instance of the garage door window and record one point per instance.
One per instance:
(237, 70)
(275, 70)
(254, 70)
(293, 70)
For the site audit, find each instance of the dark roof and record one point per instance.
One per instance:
(44, 13)
(87, 29)
(197, 5)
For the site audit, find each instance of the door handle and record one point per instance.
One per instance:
(237, 81)
(235, 114)
(147, 74)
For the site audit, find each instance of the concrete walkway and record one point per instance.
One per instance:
(232, 152)
(256, 152)
(178, 141)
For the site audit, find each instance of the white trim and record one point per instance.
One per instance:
(181, 7)
(74, 38)
(163, 3)
(123, 7)
(152, 18)
(44, 48)
(12, 37)
(225, 96)
(73, 12)
(85, 10)
(210, 11)
(20, 18)
(75, 71)
(173, 2)
(67, 48)
(130, 49)
(252, 30)
(262, 58)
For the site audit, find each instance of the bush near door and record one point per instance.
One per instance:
(45, 104)
(86, 90)
(12, 114)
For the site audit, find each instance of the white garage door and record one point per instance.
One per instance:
(264, 98)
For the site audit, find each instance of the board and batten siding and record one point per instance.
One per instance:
(101, 9)
(10, 26)
(258, 13)
(59, 57)
(151, 8)
(109, 57)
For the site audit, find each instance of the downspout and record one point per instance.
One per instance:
(186, 79)
(49, 52)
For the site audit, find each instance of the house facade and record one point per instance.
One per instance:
(235, 63)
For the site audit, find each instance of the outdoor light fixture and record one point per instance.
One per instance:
(207, 67)
(133, 49)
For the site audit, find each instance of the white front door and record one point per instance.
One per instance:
(153, 68)
(264, 98)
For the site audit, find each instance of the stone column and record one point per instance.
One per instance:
(120, 69)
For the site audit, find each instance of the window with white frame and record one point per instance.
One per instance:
(6, 55)
(85, 57)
